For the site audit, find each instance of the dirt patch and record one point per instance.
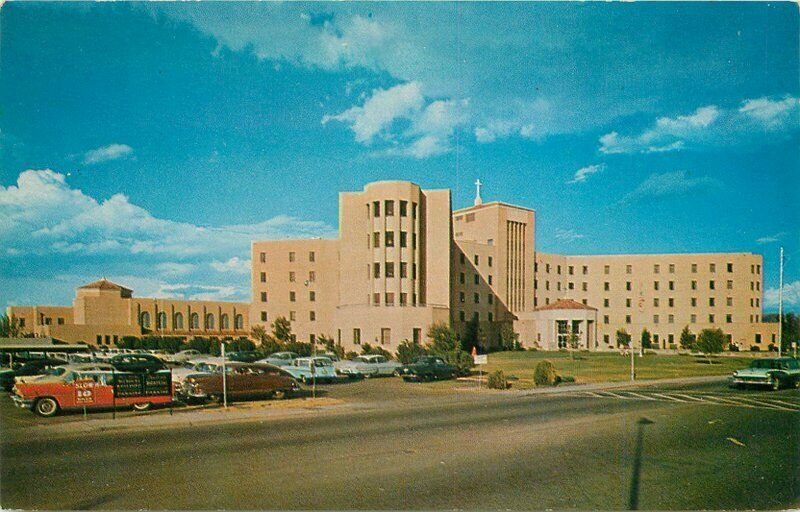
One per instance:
(298, 403)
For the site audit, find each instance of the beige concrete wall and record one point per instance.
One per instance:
(297, 288)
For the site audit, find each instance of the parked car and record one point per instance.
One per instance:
(245, 356)
(367, 366)
(307, 368)
(204, 365)
(80, 357)
(774, 372)
(427, 368)
(92, 385)
(31, 368)
(137, 363)
(279, 358)
(183, 356)
(242, 380)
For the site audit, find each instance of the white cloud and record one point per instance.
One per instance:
(584, 172)
(235, 265)
(567, 235)
(106, 153)
(770, 239)
(791, 295)
(710, 126)
(430, 125)
(669, 183)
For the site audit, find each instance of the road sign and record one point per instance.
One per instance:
(480, 359)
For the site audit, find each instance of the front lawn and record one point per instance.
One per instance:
(588, 367)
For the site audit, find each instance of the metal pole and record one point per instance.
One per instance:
(224, 377)
(780, 306)
(114, 394)
(633, 370)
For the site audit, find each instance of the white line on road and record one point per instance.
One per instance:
(643, 397)
(669, 397)
(688, 397)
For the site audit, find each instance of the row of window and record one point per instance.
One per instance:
(712, 285)
(312, 316)
(388, 208)
(476, 278)
(312, 256)
(476, 298)
(45, 320)
(389, 239)
(389, 270)
(476, 259)
(312, 276)
(462, 316)
(108, 339)
(657, 302)
(712, 267)
(194, 321)
(671, 319)
(388, 299)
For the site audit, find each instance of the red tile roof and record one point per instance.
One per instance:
(105, 284)
(565, 304)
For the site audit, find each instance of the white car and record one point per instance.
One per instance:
(367, 366)
(307, 369)
(279, 358)
(184, 355)
(205, 365)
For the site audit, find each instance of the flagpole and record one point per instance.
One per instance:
(780, 306)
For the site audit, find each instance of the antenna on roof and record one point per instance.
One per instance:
(478, 200)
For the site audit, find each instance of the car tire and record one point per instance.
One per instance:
(367, 375)
(45, 407)
(775, 383)
(305, 380)
(142, 406)
(279, 394)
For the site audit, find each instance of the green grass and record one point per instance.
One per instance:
(608, 367)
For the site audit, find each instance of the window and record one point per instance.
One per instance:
(490, 280)
(628, 269)
(547, 285)
(628, 285)
(655, 285)
(389, 269)
(376, 208)
(462, 278)
(671, 319)
(292, 297)
(356, 336)
(312, 296)
(292, 277)
(606, 286)
(376, 239)
(606, 303)
(694, 268)
(238, 322)
(312, 256)
(671, 302)
(416, 335)
(376, 298)
(263, 296)
(694, 302)
(60, 321)
(476, 298)
(194, 320)
(413, 271)
(209, 321)
(693, 319)
(224, 323)
(389, 298)
(291, 256)
(711, 301)
(655, 319)
(730, 267)
(144, 320)
(605, 319)
(388, 207)
(403, 239)
(571, 270)
(558, 286)
(312, 316)
(376, 270)
(477, 279)
(462, 296)
(263, 277)
(585, 286)
(712, 267)
(628, 302)
(461, 316)
(729, 284)
(672, 285)
(559, 269)
(627, 319)
(403, 208)
(388, 238)
(758, 269)
(656, 268)
(711, 319)
(262, 257)
(386, 336)
(585, 270)
(161, 320)
(711, 285)
(606, 338)
(177, 321)
(728, 319)
(312, 339)
(694, 285)
(607, 269)
(655, 302)
(671, 339)
(461, 258)
(403, 269)
(671, 268)
(490, 298)
(491, 317)
(403, 299)
(547, 268)
(758, 338)
(729, 301)
(489, 261)
(571, 285)
(22, 322)
(312, 276)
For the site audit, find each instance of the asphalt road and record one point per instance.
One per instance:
(706, 448)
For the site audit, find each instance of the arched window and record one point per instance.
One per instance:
(194, 321)
(209, 321)
(161, 321)
(144, 320)
(238, 322)
(178, 322)
(223, 322)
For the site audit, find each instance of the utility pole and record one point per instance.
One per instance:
(780, 306)
(633, 358)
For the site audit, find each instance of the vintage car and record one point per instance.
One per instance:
(244, 356)
(279, 358)
(137, 363)
(427, 368)
(306, 369)
(92, 385)
(367, 366)
(205, 365)
(775, 372)
(243, 380)
(29, 369)
(182, 356)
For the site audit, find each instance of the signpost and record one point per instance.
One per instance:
(479, 360)
(224, 377)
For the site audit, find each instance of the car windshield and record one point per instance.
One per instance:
(322, 362)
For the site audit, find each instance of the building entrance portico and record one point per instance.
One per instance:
(566, 324)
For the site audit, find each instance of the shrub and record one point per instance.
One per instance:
(408, 351)
(350, 355)
(544, 374)
(755, 348)
(498, 380)
(240, 345)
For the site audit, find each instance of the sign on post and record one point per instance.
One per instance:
(480, 359)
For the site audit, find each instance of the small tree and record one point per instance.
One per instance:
(282, 330)
(497, 380)
(544, 374)
(686, 339)
(9, 327)
(469, 339)
(408, 351)
(444, 342)
(623, 338)
(509, 340)
(368, 350)
(266, 342)
(240, 345)
(711, 341)
(647, 341)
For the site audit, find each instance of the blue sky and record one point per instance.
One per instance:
(151, 142)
